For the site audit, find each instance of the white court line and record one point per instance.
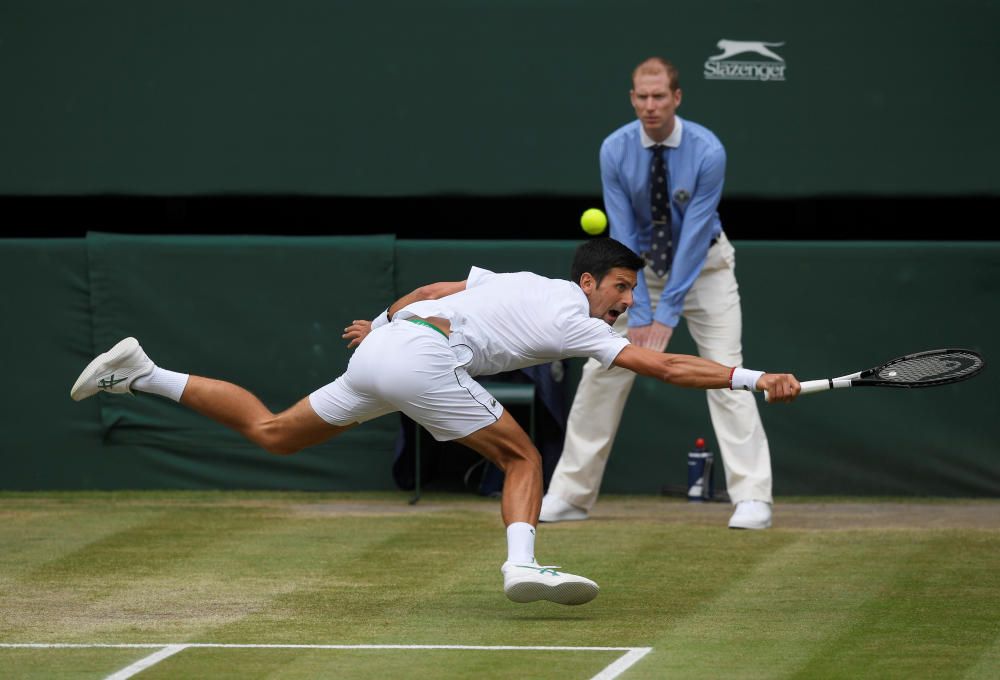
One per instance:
(619, 666)
(144, 663)
(623, 663)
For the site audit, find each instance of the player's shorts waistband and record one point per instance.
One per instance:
(421, 322)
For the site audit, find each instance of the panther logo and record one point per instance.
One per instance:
(732, 47)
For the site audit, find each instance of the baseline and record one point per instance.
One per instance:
(631, 657)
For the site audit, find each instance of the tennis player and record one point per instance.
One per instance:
(420, 357)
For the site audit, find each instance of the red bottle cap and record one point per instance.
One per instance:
(699, 443)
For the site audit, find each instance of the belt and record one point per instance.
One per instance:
(648, 256)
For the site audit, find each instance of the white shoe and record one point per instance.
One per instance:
(529, 582)
(555, 509)
(114, 371)
(751, 515)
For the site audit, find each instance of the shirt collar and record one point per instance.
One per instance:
(673, 141)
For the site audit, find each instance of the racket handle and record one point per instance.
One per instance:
(810, 386)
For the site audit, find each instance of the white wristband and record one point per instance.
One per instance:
(745, 379)
(380, 320)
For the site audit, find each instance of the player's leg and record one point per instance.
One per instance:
(441, 396)
(713, 313)
(126, 368)
(590, 433)
(507, 445)
(283, 433)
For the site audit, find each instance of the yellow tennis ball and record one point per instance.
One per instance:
(593, 221)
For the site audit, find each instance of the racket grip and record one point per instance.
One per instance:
(810, 386)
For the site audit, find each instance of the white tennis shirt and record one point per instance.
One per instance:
(502, 322)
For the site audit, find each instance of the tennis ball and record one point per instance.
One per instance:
(593, 221)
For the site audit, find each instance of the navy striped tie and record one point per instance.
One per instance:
(659, 193)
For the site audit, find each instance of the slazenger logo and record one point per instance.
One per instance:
(723, 67)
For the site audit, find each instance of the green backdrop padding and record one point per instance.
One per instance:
(48, 440)
(423, 262)
(828, 309)
(266, 313)
(488, 98)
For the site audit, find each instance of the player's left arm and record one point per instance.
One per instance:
(360, 328)
(432, 291)
(695, 237)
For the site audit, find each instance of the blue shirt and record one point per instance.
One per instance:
(696, 162)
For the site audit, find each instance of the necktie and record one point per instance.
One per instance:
(659, 193)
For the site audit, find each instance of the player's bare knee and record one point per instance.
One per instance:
(520, 455)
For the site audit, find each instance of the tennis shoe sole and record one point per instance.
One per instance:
(532, 583)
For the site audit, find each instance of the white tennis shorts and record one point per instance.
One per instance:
(407, 367)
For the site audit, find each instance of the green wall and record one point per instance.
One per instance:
(268, 312)
(265, 312)
(487, 98)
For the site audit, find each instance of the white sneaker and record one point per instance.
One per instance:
(530, 582)
(114, 371)
(555, 509)
(751, 515)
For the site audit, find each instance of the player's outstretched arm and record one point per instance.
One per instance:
(685, 370)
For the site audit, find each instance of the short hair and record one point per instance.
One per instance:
(600, 255)
(655, 65)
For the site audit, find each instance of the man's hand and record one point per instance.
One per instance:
(654, 336)
(357, 332)
(779, 386)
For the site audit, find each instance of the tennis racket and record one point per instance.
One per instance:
(923, 369)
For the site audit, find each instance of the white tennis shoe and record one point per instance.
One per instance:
(751, 515)
(555, 509)
(530, 582)
(114, 371)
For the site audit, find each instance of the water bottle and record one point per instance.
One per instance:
(701, 485)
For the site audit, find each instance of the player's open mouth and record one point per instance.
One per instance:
(613, 314)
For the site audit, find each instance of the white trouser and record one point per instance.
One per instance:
(714, 319)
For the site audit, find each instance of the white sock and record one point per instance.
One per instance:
(162, 382)
(521, 543)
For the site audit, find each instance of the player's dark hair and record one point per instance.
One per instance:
(599, 256)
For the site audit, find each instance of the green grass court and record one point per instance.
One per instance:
(297, 585)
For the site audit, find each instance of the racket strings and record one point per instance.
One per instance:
(940, 367)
